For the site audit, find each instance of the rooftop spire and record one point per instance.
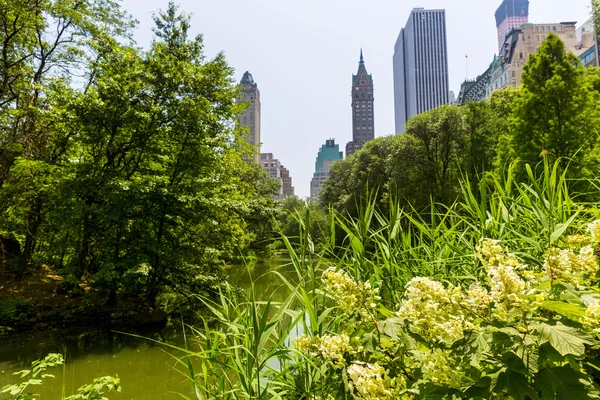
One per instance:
(361, 57)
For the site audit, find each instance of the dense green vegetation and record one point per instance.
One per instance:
(121, 166)
(460, 260)
(490, 299)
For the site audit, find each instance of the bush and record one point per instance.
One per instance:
(13, 312)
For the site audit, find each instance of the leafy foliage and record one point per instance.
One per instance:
(554, 115)
(127, 168)
(38, 373)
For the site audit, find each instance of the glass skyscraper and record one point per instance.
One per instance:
(510, 15)
(420, 65)
(328, 154)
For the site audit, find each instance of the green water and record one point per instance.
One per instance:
(146, 369)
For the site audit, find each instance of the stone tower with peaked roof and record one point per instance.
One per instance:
(363, 108)
(250, 118)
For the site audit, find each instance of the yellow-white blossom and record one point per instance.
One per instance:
(576, 242)
(437, 366)
(433, 310)
(351, 296)
(490, 252)
(368, 381)
(592, 316)
(593, 231)
(332, 348)
(477, 298)
(569, 266)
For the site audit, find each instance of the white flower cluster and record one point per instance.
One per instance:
(434, 311)
(592, 317)
(478, 298)
(331, 348)
(569, 266)
(352, 297)
(367, 381)
(509, 292)
(438, 367)
(593, 231)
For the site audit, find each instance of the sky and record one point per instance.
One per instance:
(302, 55)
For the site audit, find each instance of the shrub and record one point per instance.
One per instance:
(13, 312)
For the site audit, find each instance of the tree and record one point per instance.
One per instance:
(45, 44)
(136, 177)
(555, 115)
(443, 135)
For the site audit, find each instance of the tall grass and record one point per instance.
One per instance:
(245, 344)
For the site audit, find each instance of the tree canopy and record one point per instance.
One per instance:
(122, 165)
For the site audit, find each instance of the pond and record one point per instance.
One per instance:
(144, 367)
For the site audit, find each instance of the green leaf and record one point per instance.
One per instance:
(563, 383)
(516, 384)
(391, 327)
(561, 228)
(569, 310)
(479, 343)
(564, 339)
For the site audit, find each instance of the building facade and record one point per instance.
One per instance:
(328, 154)
(250, 118)
(510, 15)
(272, 166)
(363, 109)
(287, 188)
(420, 66)
(507, 67)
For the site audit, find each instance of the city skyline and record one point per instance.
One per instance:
(302, 58)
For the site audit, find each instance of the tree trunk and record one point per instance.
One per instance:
(33, 223)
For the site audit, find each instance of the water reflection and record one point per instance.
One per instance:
(145, 367)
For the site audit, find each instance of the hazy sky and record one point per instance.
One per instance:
(302, 55)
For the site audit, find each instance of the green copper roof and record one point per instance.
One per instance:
(247, 78)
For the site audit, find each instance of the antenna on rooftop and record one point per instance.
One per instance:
(467, 62)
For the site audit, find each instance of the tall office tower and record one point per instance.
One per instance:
(328, 154)
(420, 65)
(363, 102)
(250, 118)
(510, 15)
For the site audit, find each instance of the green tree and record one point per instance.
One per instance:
(556, 113)
(136, 177)
(45, 43)
(443, 136)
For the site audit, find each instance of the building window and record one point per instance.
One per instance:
(514, 74)
(554, 28)
(514, 82)
(560, 28)
(520, 55)
(537, 38)
(537, 28)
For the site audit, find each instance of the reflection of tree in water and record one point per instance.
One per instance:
(266, 282)
(22, 349)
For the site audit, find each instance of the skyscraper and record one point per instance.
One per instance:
(420, 65)
(328, 154)
(250, 118)
(510, 15)
(288, 188)
(363, 102)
